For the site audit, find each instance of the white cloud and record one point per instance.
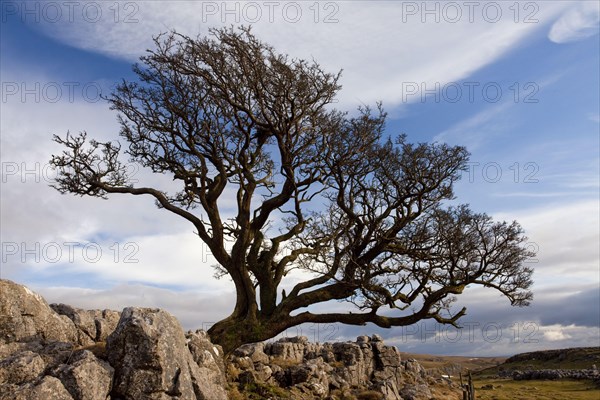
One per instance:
(382, 47)
(193, 309)
(542, 194)
(489, 339)
(553, 334)
(180, 260)
(27, 199)
(579, 22)
(36, 216)
(566, 237)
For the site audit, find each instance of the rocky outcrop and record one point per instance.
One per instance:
(21, 368)
(555, 374)
(86, 377)
(152, 360)
(148, 352)
(315, 370)
(207, 368)
(45, 388)
(63, 353)
(42, 354)
(92, 325)
(26, 319)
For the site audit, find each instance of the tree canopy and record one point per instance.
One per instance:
(314, 188)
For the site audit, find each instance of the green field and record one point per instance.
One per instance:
(489, 387)
(507, 389)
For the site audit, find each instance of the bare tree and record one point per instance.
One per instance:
(315, 189)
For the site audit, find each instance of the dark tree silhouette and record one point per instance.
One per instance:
(314, 189)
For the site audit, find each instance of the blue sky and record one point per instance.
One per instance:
(535, 147)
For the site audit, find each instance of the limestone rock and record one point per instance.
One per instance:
(416, 392)
(26, 317)
(358, 364)
(376, 338)
(146, 351)
(255, 351)
(21, 368)
(92, 325)
(45, 353)
(87, 377)
(150, 355)
(84, 322)
(207, 367)
(362, 339)
(310, 370)
(58, 352)
(45, 389)
(263, 372)
(291, 349)
(554, 374)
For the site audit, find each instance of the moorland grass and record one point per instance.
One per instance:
(508, 389)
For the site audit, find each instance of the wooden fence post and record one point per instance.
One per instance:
(471, 388)
(468, 390)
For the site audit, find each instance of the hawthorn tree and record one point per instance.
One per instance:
(364, 215)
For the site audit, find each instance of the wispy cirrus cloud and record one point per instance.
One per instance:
(476, 130)
(393, 43)
(580, 22)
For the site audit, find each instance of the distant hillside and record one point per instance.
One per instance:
(452, 365)
(574, 358)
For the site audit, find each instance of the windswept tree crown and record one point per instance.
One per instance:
(315, 189)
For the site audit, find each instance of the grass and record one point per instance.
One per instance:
(337, 364)
(507, 389)
(98, 349)
(369, 395)
(445, 392)
(485, 370)
(441, 362)
(284, 362)
(256, 391)
(342, 395)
